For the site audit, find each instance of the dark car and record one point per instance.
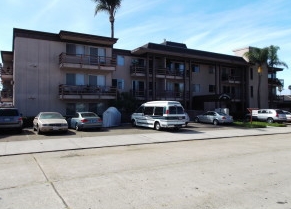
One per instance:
(10, 119)
(85, 120)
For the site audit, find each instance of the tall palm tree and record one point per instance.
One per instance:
(273, 60)
(109, 6)
(257, 56)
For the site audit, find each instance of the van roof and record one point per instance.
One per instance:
(163, 103)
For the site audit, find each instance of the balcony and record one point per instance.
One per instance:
(136, 70)
(6, 74)
(162, 95)
(160, 72)
(88, 62)
(6, 96)
(87, 92)
(231, 79)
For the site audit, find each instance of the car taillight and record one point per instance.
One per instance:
(99, 120)
(20, 119)
(223, 118)
(84, 120)
(167, 111)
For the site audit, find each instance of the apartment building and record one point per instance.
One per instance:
(71, 71)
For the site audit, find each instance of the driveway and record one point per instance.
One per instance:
(124, 129)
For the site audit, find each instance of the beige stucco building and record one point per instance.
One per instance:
(70, 71)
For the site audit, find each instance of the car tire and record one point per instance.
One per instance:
(215, 122)
(38, 130)
(270, 120)
(157, 126)
(133, 123)
(77, 128)
(196, 120)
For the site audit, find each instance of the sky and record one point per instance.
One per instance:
(207, 25)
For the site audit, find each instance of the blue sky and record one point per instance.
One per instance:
(208, 25)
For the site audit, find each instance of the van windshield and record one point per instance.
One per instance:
(176, 110)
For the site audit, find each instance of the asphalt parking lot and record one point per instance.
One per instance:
(124, 129)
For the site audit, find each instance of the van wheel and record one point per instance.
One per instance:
(157, 126)
(133, 123)
(270, 120)
(215, 122)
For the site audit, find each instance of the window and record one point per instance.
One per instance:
(195, 68)
(196, 88)
(211, 88)
(252, 91)
(97, 80)
(148, 110)
(120, 60)
(75, 79)
(251, 73)
(211, 69)
(159, 111)
(118, 83)
(176, 110)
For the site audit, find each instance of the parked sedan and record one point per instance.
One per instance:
(85, 120)
(213, 117)
(49, 121)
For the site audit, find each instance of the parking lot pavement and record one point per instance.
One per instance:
(124, 129)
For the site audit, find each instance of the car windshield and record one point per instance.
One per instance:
(88, 114)
(51, 116)
(8, 112)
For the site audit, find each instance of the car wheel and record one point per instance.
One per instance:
(270, 120)
(157, 126)
(133, 123)
(38, 130)
(215, 122)
(77, 128)
(196, 120)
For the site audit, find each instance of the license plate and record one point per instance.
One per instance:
(93, 121)
(55, 128)
(6, 119)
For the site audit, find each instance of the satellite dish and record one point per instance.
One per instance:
(289, 87)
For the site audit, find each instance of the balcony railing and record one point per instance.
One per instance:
(178, 95)
(165, 72)
(90, 60)
(6, 96)
(87, 91)
(231, 78)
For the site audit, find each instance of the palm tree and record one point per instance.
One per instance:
(257, 56)
(273, 61)
(109, 6)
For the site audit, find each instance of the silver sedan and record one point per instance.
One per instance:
(214, 117)
(85, 120)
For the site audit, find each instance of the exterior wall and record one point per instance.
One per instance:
(204, 79)
(123, 72)
(37, 75)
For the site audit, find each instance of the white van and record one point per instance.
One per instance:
(159, 114)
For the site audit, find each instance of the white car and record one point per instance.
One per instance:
(288, 115)
(49, 122)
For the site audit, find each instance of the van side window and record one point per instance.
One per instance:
(159, 111)
(140, 109)
(148, 110)
(176, 110)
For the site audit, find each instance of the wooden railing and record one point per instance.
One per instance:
(86, 59)
(87, 90)
(159, 71)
